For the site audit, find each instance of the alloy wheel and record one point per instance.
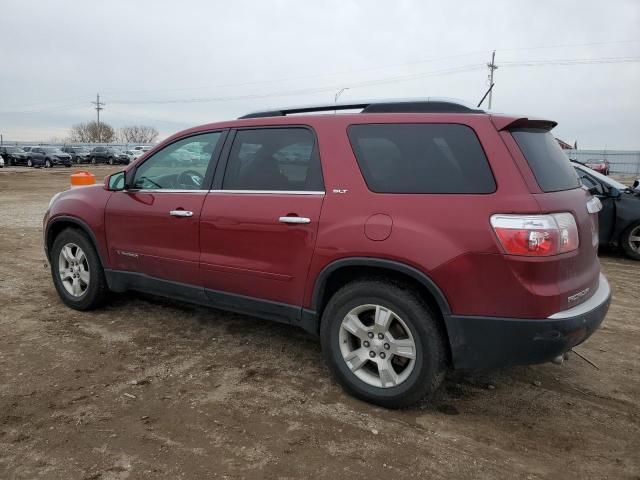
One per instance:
(73, 268)
(377, 346)
(634, 239)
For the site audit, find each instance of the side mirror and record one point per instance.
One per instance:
(614, 192)
(115, 182)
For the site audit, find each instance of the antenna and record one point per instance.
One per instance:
(485, 95)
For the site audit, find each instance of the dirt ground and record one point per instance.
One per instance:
(148, 388)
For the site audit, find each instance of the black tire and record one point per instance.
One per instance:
(93, 160)
(430, 362)
(110, 160)
(97, 291)
(47, 163)
(625, 241)
(29, 163)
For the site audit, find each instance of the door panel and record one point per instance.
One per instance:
(153, 227)
(144, 237)
(247, 250)
(258, 228)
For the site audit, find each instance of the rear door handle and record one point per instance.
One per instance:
(181, 213)
(294, 220)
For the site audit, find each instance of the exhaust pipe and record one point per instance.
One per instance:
(561, 358)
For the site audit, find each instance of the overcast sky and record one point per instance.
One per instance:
(177, 64)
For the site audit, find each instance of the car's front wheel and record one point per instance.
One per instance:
(29, 163)
(110, 160)
(93, 160)
(383, 343)
(77, 272)
(47, 163)
(630, 241)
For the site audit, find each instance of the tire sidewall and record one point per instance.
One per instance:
(626, 247)
(427, 364)
(87, 299)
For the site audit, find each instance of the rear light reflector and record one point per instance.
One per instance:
(536, 235)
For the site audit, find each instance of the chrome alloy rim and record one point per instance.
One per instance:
(73, 268)
(634, 239)
(377, 346)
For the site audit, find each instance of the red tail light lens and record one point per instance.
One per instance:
(536, 235)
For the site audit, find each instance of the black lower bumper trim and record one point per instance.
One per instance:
(488, 342)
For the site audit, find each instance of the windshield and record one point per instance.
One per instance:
(14, 150)
(608, 181)
(52, 150)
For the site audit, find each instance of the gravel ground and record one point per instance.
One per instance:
(149, 388)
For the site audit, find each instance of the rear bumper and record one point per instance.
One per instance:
(488, 342)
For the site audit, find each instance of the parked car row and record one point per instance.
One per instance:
(50, 156)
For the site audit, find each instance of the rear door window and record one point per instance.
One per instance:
(274, 159)
(421, 158)
(549, 164)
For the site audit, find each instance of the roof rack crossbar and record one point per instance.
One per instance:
(413, 106)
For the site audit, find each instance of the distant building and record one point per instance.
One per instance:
(564, 145)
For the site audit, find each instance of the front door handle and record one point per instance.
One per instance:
(294, 220)
(181, 213)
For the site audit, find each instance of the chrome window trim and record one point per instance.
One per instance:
(272, 192)
(163, 190)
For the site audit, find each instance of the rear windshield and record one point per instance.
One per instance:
(548, 162)
(421, 158)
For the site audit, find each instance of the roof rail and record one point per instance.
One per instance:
(426, 105)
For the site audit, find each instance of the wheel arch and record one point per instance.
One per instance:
(58, 224)
(345, 270)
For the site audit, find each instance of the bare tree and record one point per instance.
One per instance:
(138, 134)
(88, 133)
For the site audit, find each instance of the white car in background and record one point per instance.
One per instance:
(133, 154)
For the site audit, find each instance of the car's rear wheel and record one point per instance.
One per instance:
(110, 160)
(47, 163)
(29, 163)
(630, 241)
(77, 272)
(383, 344)
(93, 160)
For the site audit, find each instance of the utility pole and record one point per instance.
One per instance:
(99, 106)
(492, 66)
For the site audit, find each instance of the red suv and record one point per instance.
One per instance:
(411, 237)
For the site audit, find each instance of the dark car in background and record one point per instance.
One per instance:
(110, 155)
(35, 158)
(619, 219)
(78, 154)
(13, 155)
(600, 166)
(52, 156)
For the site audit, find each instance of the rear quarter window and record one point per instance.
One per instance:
(421, 158)
(549, 164)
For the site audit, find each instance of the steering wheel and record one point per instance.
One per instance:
(190, 179)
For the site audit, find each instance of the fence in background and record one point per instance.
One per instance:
(623, 162)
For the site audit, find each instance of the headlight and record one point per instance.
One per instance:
(53, 199)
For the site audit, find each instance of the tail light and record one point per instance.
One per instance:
(536, 235)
